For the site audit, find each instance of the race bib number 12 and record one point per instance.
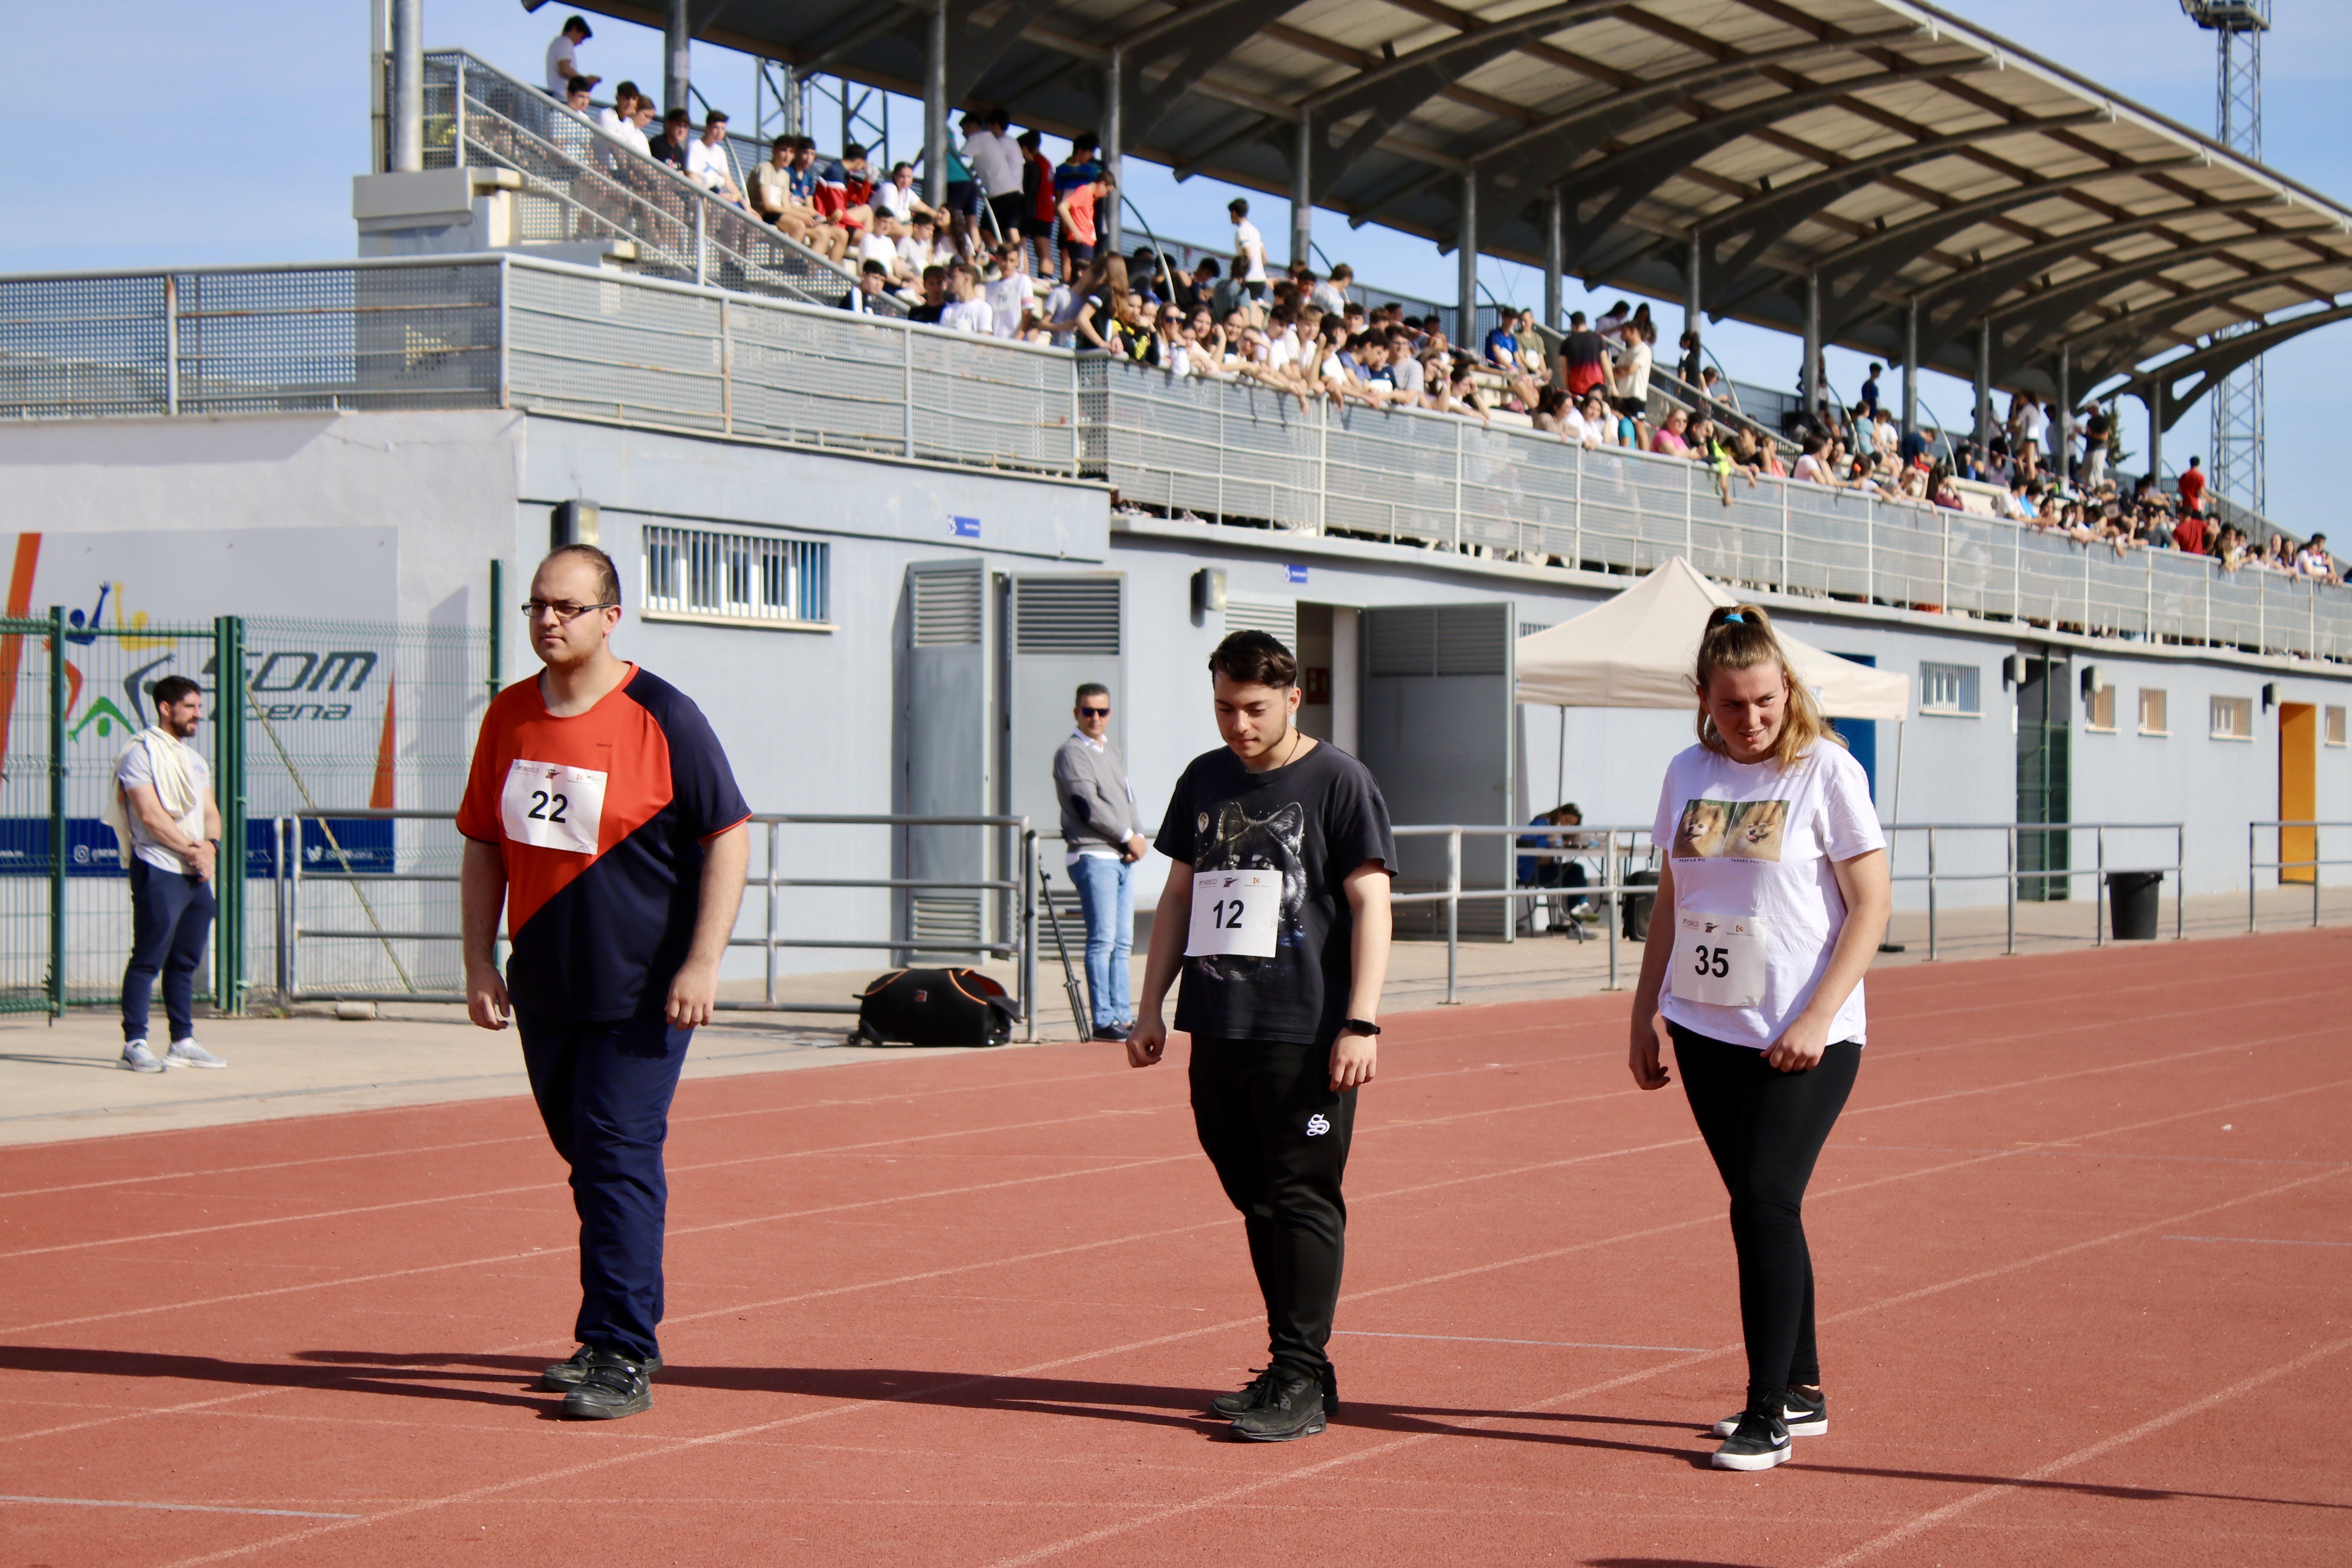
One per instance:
(551, 806)
(1719, 960)
(1233, 913)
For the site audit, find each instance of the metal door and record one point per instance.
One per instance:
(2044, 772)
(1437, 731)
(945, 762)
(1059, 632)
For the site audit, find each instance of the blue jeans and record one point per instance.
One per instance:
(1106, 898)
(603, 1091)
(171, 915)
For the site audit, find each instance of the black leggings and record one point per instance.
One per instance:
(1277, 1135)
(1766, 1129)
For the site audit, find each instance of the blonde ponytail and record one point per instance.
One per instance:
(1740, 637)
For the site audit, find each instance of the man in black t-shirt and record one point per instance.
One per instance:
(1277, 909)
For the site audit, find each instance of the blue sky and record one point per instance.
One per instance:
(283, 104)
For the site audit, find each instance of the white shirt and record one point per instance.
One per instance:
(898, 204)
(1328, 299)
(135, 767)
(1250, 246)
(968, 316)
(1282, 351)
(1062, 307)
(995, 159)
(1008, 298)
(1748, 839)
(559, 80)
(1808, 469)
(872, 247)
(2033, 423)
(1406, 373)
(708, 166)
(918, 255)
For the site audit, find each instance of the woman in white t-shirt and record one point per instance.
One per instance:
(1771, 900)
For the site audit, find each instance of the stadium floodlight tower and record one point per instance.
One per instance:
(2238, 27)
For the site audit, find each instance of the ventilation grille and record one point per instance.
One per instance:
(1277, 617)
(1441, 639)
(945, 922)
(947, 608)
(1529, 628)
(1066, 616)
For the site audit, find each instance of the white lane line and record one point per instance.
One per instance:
(1483, 1339)
(1958, 1506)
(174, 1507)
(2259, 1240)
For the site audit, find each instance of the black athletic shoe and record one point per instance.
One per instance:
(1249, 1396)
(563, 1377)
(1115, 1032)
(614, 1386)
(1292, 1409)
(1760, 1442)
(1805, 1415)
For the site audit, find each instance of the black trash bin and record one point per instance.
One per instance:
(2131, 903)
(1637, 905)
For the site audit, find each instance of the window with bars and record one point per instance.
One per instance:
(2234, 719)
(2099, 709)
(2153, 719)
(2333, 732)
(737, 579)
(1950, 688)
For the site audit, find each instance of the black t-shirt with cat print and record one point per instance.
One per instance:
(1315, 820)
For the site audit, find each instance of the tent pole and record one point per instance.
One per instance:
(1562, 778)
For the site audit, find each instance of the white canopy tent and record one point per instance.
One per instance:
(1637, 650)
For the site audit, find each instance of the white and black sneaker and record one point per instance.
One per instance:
(1760, 1442)
(1805, 1415)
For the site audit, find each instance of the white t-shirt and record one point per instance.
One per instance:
(996, 159)
(872, 247)
(1746, 839)
(707, 165)
(136, 767)
(1250, 246)
(1008, 298)
(900, 203)
(559, 80)
(968, 316)
(1406, 375)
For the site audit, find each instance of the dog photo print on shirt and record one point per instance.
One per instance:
(1730, 830)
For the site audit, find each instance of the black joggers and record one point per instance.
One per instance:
(1277, 1135)
(1766, 1129)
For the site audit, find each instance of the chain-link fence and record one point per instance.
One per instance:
(338, 718)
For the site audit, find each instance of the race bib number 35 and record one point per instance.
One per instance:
(551, 806)
(1233, 913)
(1719, 960)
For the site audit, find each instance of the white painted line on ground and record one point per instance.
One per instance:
(174, 1507)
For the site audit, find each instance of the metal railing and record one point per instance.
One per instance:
(2013, 875)
(396, 933)
(1617, 848)
(2314, 862)
(513, 332)
(581, 184)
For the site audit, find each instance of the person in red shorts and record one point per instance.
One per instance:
(602, 813)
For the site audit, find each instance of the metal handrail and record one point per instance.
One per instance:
(2011, 876)
(1453, 893)
(2283, 865)
(291, 876)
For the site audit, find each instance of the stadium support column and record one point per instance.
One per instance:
(1114, 140)
(935, 106)
(408, 86)
(2060, 449)
(1302, 193)
(1465, 255)
(2154, 398)
(1911, 365)
(1552, 259)
(1690, 294)
(1984, 382)
(678, 54)
(1808, 379)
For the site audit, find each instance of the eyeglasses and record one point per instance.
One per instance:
(1095, 713)
(566, 613)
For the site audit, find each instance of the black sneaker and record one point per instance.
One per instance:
(1805, 1415)
(1760, 1442)
(613, 1386)
(1292, 1409)
(563, 1377)
(1115, 1032)
(1249, 1396)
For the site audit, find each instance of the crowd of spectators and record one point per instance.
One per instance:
(1014, 250)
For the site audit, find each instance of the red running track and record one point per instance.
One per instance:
(2083, 1240)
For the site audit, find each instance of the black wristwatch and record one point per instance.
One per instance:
(1359, 1026)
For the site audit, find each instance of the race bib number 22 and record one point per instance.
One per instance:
(1233, 913)
(550, 806)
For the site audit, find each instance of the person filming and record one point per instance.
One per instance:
(1772, 898)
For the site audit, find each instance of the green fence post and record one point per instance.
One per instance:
(498, 620)
(57, 810)
(229, 770)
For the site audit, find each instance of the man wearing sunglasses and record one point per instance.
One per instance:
(1104, 839)
(601, 812)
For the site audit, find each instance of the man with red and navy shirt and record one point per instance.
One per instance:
(601, 811)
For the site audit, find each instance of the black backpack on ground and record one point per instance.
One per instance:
(934, 1007)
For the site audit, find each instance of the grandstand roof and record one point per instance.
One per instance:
(1899, 151)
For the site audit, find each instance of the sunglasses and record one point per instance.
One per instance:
(1095, 713)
